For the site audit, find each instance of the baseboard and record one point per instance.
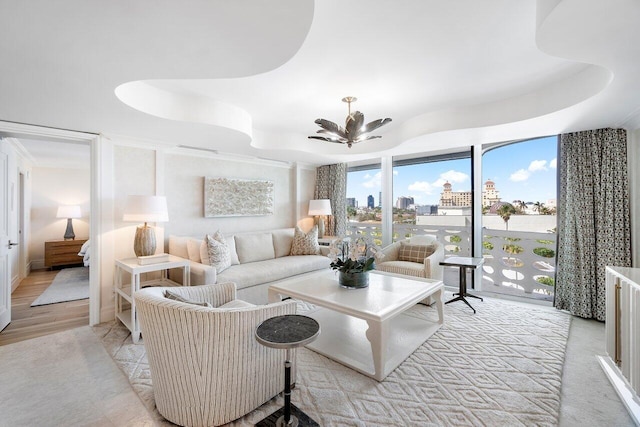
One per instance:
(37, 264)
(15, 282)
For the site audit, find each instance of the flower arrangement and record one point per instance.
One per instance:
(354, 254)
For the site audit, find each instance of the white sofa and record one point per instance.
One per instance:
(257, 259)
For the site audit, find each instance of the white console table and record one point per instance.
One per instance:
(622, 335)
(124, 292)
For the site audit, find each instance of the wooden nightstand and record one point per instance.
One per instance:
(62, 252)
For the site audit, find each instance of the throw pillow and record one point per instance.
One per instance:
(176, 297)
(415, 253)
(305, 243)
(204, 251)
(218, 251)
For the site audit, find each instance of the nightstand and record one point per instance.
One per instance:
(125, 304)
(62, 252)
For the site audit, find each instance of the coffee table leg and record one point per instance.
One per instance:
(440, 305)
(377, 334)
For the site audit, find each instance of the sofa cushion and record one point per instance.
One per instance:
(252, 247)
(415, 253)
(231, 242)
(218, 251)
(305, 243)
(178, 246)
(193, 249)
(282, 240)
(255, 273)
(237, 303)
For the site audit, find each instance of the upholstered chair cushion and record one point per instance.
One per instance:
(415, 253)
(305, 243)
(218, 251)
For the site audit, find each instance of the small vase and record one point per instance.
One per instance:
(353, 280)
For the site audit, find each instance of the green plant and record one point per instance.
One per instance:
(487, 245)
(544, 252)
(545, 242)
(353, 255)
(513, 249)
(455, 239)
(546, 280)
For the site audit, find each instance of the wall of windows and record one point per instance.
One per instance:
(514, 189)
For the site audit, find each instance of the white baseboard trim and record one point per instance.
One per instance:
(37, 264)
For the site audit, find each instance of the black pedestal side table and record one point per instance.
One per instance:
(287, 332)
(463, 263)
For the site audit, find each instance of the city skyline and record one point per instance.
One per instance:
(529, 175)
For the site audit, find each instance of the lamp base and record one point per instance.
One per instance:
(320, 223)
(145, 241)
(69, 234)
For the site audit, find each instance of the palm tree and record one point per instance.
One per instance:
(538, 206)
(520, 206)
(505, 211)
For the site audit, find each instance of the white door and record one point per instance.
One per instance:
(5, 244)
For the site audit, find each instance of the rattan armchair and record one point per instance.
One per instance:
(207, 369)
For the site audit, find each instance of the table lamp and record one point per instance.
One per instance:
(319, 208)
(69, 212)
(145, 209)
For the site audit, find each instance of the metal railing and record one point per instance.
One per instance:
(516, 262)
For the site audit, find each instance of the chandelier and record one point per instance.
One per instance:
(354, 129)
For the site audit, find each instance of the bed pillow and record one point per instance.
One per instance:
(305, 243)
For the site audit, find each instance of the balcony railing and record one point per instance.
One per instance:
(516, 262)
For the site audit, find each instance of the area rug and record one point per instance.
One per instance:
(499, 367)
(70, 284)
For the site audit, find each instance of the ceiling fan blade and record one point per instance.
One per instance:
(366, 138)
(375, 125)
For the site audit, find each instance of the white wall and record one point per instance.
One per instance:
(184, 185)
(50, 188)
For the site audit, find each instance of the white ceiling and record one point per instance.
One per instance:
(251, 77)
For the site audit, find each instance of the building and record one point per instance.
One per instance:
(351, 201)
(489, 194)
(449, 198)
(404, 202)
(370, 202)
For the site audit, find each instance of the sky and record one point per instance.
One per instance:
(521, 171)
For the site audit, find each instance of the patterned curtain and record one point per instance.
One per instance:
(331, 183)
(593, 218)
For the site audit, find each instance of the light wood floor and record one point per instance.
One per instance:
(31, 322)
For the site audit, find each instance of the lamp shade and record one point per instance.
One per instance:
(69, 211)
(146, 209)
(319, 207)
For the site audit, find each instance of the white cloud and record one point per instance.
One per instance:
(521, 175)
(552, 163)
(422, 187)
(372, 181)
(429, 188)
(538, 165)
(454, 176)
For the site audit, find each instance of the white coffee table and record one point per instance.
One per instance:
(365, 329)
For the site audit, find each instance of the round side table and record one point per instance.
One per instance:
(287, 332)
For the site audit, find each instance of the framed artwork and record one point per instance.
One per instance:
(237, 197)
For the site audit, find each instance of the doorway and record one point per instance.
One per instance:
(23, 199)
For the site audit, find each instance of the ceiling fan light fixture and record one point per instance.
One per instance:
(354, 129)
